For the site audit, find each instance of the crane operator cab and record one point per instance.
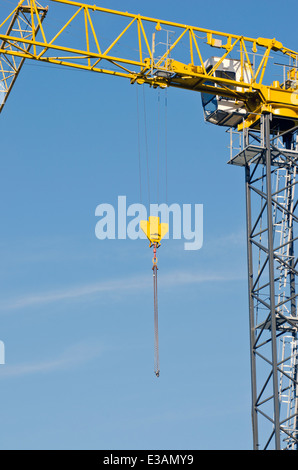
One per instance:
(220, 110)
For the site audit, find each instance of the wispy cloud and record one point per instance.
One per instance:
(73, 292)
(139, 283)
(73, 356)
(190, 277)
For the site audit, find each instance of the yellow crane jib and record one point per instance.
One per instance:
(154, 230)
(234, 82)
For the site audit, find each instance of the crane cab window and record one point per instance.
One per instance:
(209, 101)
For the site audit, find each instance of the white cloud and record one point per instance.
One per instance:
(73, 293)
(77, 354)
(172, 279)
(189, 277)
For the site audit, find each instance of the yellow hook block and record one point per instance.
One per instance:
(154, 230)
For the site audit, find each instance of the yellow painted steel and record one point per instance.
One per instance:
(20, 23)
(154, 230)
(163, 71)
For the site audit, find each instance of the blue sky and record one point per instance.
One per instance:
(76, 313)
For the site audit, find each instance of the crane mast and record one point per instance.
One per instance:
(271, 203)
(232, 83)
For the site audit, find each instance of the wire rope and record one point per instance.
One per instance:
(166, 143)
(156, 339)
(139, 145)
(146, 145)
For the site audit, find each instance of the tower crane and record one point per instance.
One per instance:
(232, 74)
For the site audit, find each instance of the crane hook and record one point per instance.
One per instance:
(155, 231)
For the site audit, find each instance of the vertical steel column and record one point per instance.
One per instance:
(267, 119)
(254, 414)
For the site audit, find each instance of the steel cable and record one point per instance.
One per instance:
(156, 342)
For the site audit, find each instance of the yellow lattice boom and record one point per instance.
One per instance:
(181, 64)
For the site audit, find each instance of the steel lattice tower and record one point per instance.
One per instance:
(270, 164)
